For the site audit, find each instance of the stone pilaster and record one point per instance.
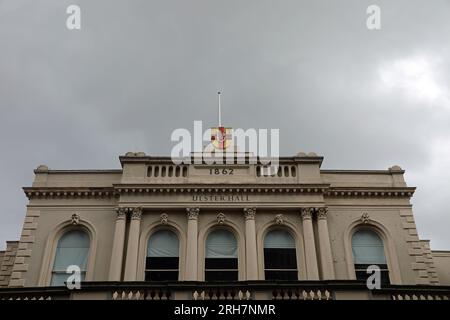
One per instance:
(312, 271)
(326, 257)
(133, 245)
(250, 244)
(192, 244)
(115, 269)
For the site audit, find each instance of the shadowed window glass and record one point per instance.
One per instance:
(280, 259)
(72, 249)
(221, 262)
(162, 262)
(368, 249)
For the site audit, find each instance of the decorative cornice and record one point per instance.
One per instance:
(360, 192)
(192, 213)
(118, 190)
(239, 188)
(249, 213)
(64, 193)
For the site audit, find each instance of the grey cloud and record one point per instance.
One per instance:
(139, 69)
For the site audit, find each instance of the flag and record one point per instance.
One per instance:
(221, 137)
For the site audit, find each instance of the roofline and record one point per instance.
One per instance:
(190, 159)
(360, 171)
(76, 171)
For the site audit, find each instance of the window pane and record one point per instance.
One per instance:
(163, 243)
(281, 275)
(221, 275)
(162, 257)
(72, 249)
(221, 253)
(367, 248)
(361, 273)
(279, 239)
(280, 256)
(221, 244)
(161, 275)
(220, 263)
(280, 259)
(161, 263)
(59, 278)
(70, 256)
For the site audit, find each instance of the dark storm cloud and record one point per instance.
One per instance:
(139, 69)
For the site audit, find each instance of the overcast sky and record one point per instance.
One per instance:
(138, 69)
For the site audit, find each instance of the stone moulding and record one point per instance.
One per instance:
(45, 193)
(392, 192)
(116, 191)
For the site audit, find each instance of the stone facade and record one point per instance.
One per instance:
(7, 262)
(120, 209)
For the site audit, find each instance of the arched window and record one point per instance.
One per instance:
(368, 249)
(280, 259)
(162, 261)
(72, 249)
(221, 262)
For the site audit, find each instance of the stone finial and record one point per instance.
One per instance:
(192, 213)
(312, 154)
(136, 213)
(221, 218)
(322, 213)
(135, 154)
(279, 219)
(75, 219)
(164, 218)
(365, 218)
(42, 168)
(301, 154)
(249, 213)
(395, 168)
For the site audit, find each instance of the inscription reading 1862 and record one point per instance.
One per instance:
(220, 198)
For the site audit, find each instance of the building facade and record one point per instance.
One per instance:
(158, 230)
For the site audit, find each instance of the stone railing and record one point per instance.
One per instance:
(413, 296)
(221, 294)
(48, 293)
(143, 294)
(238, 291)
(400, 293)
(299, 294)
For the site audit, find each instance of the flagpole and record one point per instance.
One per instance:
(220, 118)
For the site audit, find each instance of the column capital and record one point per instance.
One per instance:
(306, 213)
(250, 213)
(136, 213)
(322, 213)
(121, 213)
(192, 213)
